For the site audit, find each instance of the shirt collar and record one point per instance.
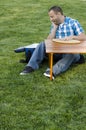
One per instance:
(65, 22)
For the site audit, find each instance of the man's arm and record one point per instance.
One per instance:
(53, 32)
(80, 37)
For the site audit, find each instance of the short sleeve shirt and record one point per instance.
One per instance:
(70, 27)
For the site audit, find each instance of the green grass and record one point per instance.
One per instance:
(33, 102)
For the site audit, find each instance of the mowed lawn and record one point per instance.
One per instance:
(33, 102)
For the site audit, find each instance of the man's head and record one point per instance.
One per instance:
(56, 15)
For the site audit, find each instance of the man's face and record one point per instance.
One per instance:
(55, 18)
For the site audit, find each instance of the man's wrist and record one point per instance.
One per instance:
(73, 37)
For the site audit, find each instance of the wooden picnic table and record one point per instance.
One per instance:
(55, 47)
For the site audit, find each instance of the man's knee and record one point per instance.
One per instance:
(76, 57)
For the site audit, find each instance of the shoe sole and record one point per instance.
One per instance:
(47, 75)
(23, 73)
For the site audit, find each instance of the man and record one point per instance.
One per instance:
(62, 28)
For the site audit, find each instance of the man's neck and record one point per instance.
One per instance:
(62, 19)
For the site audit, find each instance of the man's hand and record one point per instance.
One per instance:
(53, 32)
(54, 25)
(67, 38)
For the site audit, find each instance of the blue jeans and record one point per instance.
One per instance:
(62, 65)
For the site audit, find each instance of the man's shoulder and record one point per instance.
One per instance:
(69, 20)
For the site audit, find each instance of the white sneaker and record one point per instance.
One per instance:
(47, 74)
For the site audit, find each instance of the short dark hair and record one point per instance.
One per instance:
(56, 9)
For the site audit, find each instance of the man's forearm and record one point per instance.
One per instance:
(52, 34)
(80, 37)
